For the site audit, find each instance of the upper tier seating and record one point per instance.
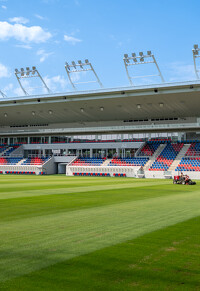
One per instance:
(35, 161)
(189, 164)
(149, 148)
(9, 161)
(194, 150)
(129, 161)
(88, 162)
(167, 156)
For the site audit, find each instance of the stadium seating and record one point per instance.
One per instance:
(194, 150)
(189, 164)
(167, 156)
(88, 162)
(35, 161)
(149, 148)
(128, 161)
(9, 160)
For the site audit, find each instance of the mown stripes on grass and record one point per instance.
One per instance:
(33, 242)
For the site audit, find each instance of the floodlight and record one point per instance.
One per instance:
(81, 109)
(102, 108)
(50, 112)
(33, 113)
(80, 63)
(139, 106)
(80, 67)
(161, 104)
(74, 64)
(5, 114)
(196, 46)
(141, 58)
(25, 73)
(67, 65)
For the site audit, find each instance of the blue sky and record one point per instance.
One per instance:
(46, 33)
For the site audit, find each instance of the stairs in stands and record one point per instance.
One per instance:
(106, 162)
(154, 157)
(179, 157)
(7, 149)
(20, 162)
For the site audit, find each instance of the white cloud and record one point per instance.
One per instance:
(71, 39)
(25, 46)
(39, 17)
(56, 83)
(4, 72)
(4, 7)
(43, 55)
(21, 20)
(23, 33)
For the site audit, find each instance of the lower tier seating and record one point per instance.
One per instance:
(189, 164)
(9, 161)
(129, 162)
(167, 156)
(88, 162)
(35, 161)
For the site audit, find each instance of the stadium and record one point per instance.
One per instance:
(99, 186)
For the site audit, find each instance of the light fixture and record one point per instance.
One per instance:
(196, 46)
(5, 115)
(138, 106)
(102, 108)
(74, 64)
(81, 109)
(33, 113)
(80, 63)
(28, 73)
(50, 112)
(161, 104)
(79, 67)
(141, 58)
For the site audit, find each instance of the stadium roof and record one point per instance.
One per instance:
(169, 100)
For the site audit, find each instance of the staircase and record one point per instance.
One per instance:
(106, 162)
(179, 157)
(154, 157)
(2, 153)
(20, 162)
(137, 153)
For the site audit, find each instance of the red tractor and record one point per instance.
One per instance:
(184, 180)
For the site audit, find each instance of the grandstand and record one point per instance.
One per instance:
(148, 131)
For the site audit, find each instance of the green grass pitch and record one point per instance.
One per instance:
(87, 233)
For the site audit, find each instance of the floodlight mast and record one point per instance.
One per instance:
(80, 67)
(29, 73)
(140, 60)
(195, 52)
(2, 94)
